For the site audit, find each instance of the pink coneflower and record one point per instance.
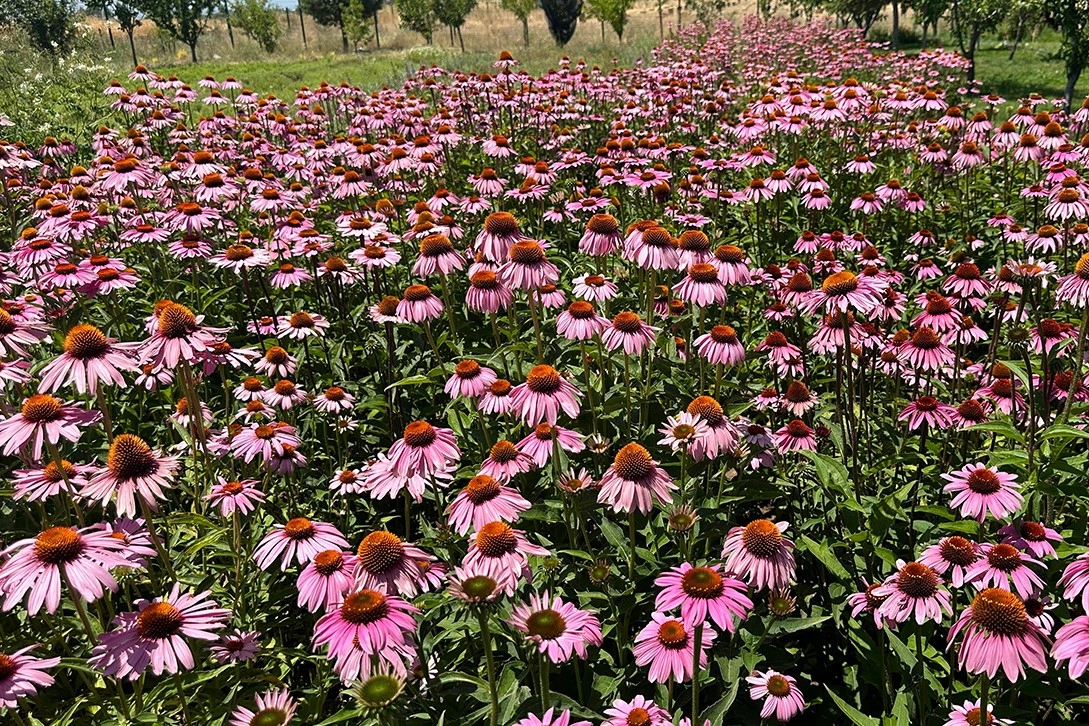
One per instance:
(389, 564)
(301, 325)
(369, 622)
(797, 399)
(21, 675)
(760, 554)
(1072, 645)
(966, 282)
(575, 482)
(527, 267)
(505, 461)
(999, 635)
(635, 482)
(424, 449)
(842, 291)
(334, 400)
(277, 363)
(638, 711)
(925, 351)
(701, 286)
(1031, 537)
(419, 305)
(89, 359)
(779, 692)
(683, 431)
(868, 601)
(1003, 564)
(551, 717)
(955, 554)
(81, 557)
(44, 419)
(237, 646)
(628, 331)
(580, 321)
(558, 628)
(721, 346)
(594, 288)
(981, 490)
(264, 441)
(602, 236)
(703, 593)
(1050, 335)
(732, 265)
(486, 293)
(437, 255)
(471, 586)
(497, 398)
(544, 394)
(236, 496)
(300, 539)
(915, 592)
(540, 444)
(927, 411)
(132, 470)
(501, 553)
(970, 714)
(155, 635)
(795, 436)
(499, 233)
(288, 275)
(1074, 288)
(326, 580)
(470, 379)
(668, 646)
(484, 500)
(651, 247)
(284, 395)
(178, 335)
(47, 481)
(273, 707)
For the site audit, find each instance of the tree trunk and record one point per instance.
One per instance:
(1072, 76)
(302, 26)
(132, 47)
(461, 40)
(377, 38)
(227, 15)
(895, 24)
(451, 29)
(678, 14)
(193, 51)
(1017, 38)
(525, 32)
(343, 39)
(602, 31)
(661, 21)
(287, 16)
(109, 31)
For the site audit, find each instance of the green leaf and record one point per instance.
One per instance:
(856, 716)
(615, 537)
(824, 553)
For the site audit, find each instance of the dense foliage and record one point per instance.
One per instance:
(745, 384)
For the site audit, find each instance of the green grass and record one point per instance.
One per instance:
(1034, 69)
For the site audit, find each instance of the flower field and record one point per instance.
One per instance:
(744, 385)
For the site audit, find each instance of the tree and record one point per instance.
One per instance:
(707, 11)
(418, 16)
(927, 13)
(49, 25)
(970, 19)
(183, 20)
(613, 12)
(129, 18)
(1071, 18)
(259, 21)
(521, 10)
(563, 17)
(329, 13)
(860, 13)
(361, 20)
(453, 14)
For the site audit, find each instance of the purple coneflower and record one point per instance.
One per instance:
(132, 470)
(981, 490)
(558, 628)
(635, 481)
(21, 675)
(999, 635)
(668, 646)
(779, 692)
(484, 500)
(273, 707)
(760, 554)
(913, 592)
(300, 539)
(703, 593)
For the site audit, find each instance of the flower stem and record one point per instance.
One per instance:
(697, 642)
(489, 659)
(545, 695)
(181, 697)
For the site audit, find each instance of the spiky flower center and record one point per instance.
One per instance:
(328, 561)
(365, 606)
(543, 379)
(604, 224)
(730, 254)
(58, 545)
(702, 582)
(778, 686)
(1004, 557)
(435, 245)
(417, 293)
(762, 538)
(158, 621)
(999, 612)
(501, 224)
(380, 551)
(41, 408)
(672, 635)
(925, 339)
(633, 463)
(983, 481)
(580, 310)
(496, 539)
(467, 370)
(85, 342)
(957, 551)
(503, 452)
(299, 528)
(176, 321)
(724, 334)
(130, 458)
(526, 252)
(419, 433)
(627, 322)
(481, 488)
(917, 580)
(546, 624)
(638, 717)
